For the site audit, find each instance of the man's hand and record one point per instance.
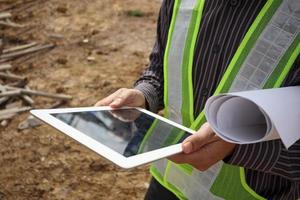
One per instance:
(124, 97)
(203, 149)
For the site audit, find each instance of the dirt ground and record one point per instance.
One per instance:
(102, 45)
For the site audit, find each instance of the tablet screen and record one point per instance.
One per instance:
(126, 131)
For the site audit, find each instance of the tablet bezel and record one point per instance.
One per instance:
(102, 149)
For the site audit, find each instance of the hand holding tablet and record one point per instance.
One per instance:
(125, 136)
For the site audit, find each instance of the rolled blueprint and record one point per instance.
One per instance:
(256, 116)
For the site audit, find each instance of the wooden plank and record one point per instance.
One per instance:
(11, 76)
(26, 51)
(18, 48)
(27, 99)
(10, 93)
(5, 67)
(7, 116)
(2, 88)
(45, 94)
(8, 112)
(3, 60)
(39, 93)
(5, 15)
(11, 24)
(3, 100)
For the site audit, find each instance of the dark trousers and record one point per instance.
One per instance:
(158, 192)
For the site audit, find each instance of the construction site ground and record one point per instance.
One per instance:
(101, 45)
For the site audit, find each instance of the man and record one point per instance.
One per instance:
(204, 48)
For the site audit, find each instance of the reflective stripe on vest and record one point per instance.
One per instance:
(262, 60)
(268, 50)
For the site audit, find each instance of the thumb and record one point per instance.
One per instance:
(118, 102)
(202, 137)
(120, 99)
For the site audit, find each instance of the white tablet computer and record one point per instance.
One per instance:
(129, 137)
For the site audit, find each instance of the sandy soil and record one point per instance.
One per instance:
(42, 163)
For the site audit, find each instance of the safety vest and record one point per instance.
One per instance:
(262, 60)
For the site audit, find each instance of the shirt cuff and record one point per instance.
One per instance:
(150, 95)
(259, 156)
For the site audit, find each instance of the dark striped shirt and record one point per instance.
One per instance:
(271, 170)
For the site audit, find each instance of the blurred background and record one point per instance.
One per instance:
(50, 51)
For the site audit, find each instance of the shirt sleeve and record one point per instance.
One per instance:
(151, 82)
(271, 156)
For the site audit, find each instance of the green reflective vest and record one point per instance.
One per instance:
(262, 60)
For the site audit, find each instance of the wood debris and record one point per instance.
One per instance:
(24, 51)
(15, 96)
(5, 15)
(5, 20)
(5, 67)
(32, 122)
